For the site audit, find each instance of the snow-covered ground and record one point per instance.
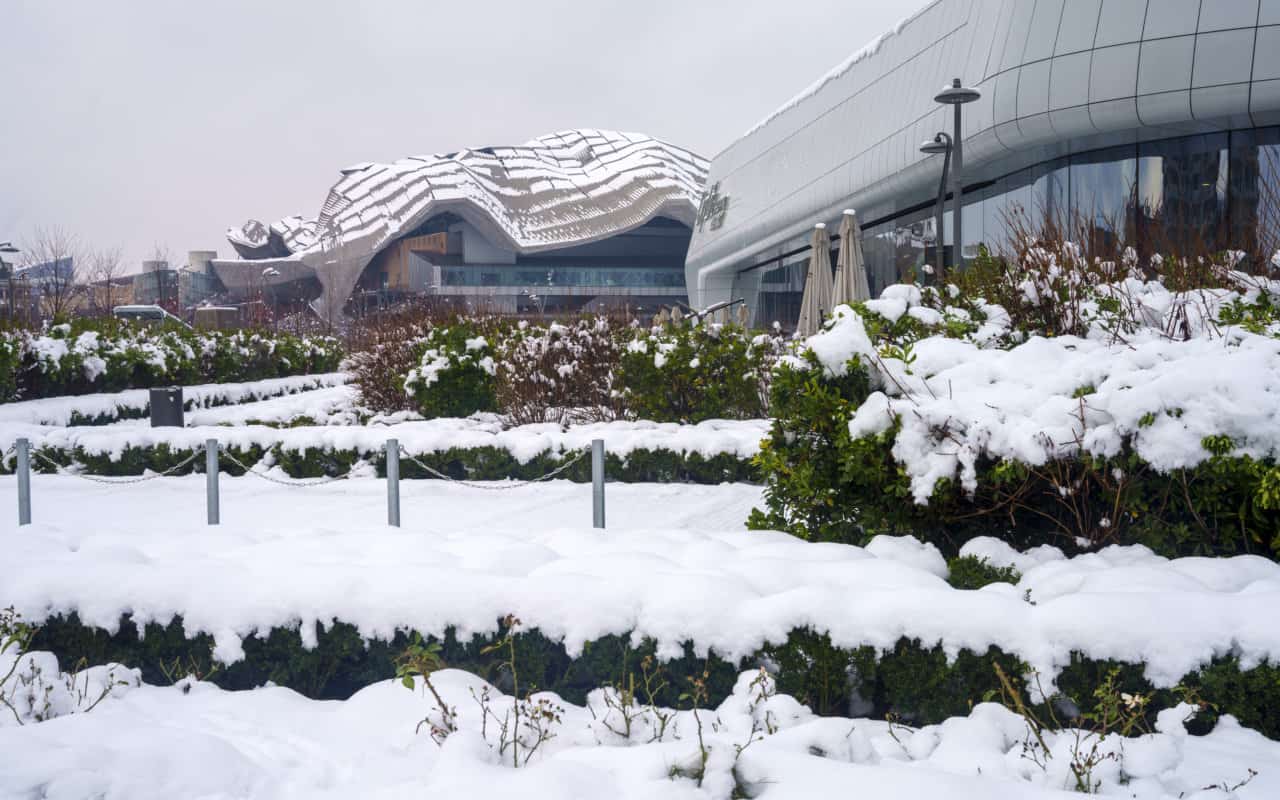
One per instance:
(675, 564)
(467, 557)
(195, 740)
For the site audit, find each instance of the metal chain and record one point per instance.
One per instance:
(58, 468)
(491, 487)
(269, 479)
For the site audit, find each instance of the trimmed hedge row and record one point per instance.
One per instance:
(672, 372)
(824, 485)
(474, 464)
(89, 356)
(913, 682)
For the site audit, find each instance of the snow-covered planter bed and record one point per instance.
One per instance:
(475, 448)
(913, 415)
(877, 629)
(103, 356)
(110, 407)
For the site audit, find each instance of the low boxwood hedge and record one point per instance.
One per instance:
(914, 682)
(110, 355)
(474, 464)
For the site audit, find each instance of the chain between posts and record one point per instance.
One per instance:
(58, 468)
(269, 479)
(496, 488)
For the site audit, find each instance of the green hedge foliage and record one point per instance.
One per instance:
(683, 373)
(109, 355)
(824, 485)
(474, 464)
(455, 372)
(671, 372)
(913, 682)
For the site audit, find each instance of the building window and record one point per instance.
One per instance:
(1182, 194)
(1254, 181)
(1103, 187)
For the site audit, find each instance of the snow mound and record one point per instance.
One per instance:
(193, 740)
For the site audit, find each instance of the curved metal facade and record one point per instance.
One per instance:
(565, 189)
(1057, 77)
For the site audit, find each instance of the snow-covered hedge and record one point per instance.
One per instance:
(455, 373)
(690, 373)
(589, 369)
(931, 413)
(96, 356)
(111, 407)
(477, 448)
(864, 632)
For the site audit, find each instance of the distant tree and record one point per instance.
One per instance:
(105, 269)
(58, 286)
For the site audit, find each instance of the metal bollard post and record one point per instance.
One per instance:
(393, 482)
(211, 478)
(597, 482)
(24, 481)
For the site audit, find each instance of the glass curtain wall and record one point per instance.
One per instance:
(1190, 194)
(1206, 192)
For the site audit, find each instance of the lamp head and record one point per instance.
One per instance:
(956, 94)
(936, 146)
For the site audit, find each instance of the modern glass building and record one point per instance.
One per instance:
(1151, 122)
(582, 219)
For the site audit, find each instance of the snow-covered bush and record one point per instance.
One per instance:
(34, 689)
(558, 372)
(575, 371)
(454, 376)
(933, 413)
(108, 355)
(689, 373)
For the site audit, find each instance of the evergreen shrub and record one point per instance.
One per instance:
(914, 682)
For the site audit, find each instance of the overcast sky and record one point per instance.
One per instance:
(134, 123)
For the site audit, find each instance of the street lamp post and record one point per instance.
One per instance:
(957, 95)
(7, 271)
(940, 144)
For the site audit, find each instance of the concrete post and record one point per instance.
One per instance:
(24, 482)
(211, 479)
(597, 482)
(393, 482)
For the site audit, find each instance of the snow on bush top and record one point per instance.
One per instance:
(727, 591)
(1161, 375)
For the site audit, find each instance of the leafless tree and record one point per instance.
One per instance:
(59, 286)
(106, 267)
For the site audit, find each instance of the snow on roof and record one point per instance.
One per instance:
(867, 51)
(558, 190)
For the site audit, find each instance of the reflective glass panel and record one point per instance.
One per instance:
(1182, 194)
(1104, 195)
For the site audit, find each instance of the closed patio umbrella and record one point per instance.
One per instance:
(816, 301)
(851, 269)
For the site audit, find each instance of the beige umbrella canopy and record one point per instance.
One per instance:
(851, 269)
(816, 302)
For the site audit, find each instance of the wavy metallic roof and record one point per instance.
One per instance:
(555, 191)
